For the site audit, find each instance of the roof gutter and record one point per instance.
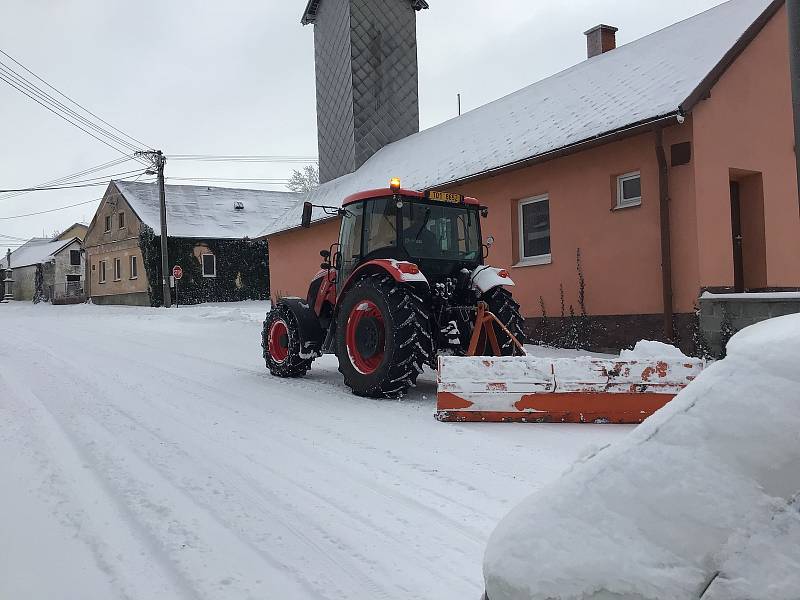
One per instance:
(598, 140)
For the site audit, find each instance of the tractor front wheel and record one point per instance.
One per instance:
(505, 308)
(382, 337)
(280, 340)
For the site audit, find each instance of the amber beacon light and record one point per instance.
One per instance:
(394, 183)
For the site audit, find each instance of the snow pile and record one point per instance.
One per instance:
(647, 349)
(697, 498)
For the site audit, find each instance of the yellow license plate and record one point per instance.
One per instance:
(446, 197)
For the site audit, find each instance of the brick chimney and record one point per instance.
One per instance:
(600, 40)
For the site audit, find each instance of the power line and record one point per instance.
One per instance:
(60, 106)
(42, 212)
(230, 179)
(3, 78)
(138, 143)
(243, 158)
(68, 178)
(79, 184)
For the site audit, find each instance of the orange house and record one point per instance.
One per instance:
(668, 162)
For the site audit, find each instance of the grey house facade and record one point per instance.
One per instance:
(58, 264)
(366, 71)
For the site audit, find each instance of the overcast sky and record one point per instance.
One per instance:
(237, 77)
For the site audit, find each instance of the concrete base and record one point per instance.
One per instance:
(742, 311)
(132, 299)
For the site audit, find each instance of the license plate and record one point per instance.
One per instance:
(446, 197)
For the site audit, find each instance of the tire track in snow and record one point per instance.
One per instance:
(367, 584)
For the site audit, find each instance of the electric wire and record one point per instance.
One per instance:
(42, 212)
(75, 102)
(72, 176)
(79, 184)
(61, 107)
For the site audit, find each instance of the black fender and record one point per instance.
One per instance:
(311, 334)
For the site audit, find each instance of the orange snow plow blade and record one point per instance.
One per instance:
(566, 390)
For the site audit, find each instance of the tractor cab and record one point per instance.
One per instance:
(438, 232)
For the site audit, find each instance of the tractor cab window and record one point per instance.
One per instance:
(380, 228)
(444, 231)
(350, 240)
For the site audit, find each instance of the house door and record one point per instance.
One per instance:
(736, 231)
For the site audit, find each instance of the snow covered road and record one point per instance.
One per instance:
(148, 454)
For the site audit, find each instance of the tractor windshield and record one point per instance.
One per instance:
(441, 231)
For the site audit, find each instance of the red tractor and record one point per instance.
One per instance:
(405, 282)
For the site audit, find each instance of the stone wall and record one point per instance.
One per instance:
(742, 311)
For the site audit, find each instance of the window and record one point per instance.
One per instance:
(134, 268)
(209, 265)
(117, 269)
(75, 258)
(108, 224)
(121, 220)
(102, 275)
(629, 190)
(380, 226)
(534, 231)
(350, 249)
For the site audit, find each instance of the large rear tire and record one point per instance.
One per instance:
(382, 337)
(504, 307)
(280, 340)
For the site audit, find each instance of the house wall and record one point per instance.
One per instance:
(24, 282)
(294, 257)
(55, 280)
(620, 249)
(744, 131)
(106, 246)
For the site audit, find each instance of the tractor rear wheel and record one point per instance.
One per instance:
(382, 337)
(505, 308)
(280, 340)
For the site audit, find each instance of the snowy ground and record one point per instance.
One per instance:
(148, 454)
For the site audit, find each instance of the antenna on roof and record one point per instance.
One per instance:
(459, 104)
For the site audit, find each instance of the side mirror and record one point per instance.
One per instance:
(307, 208)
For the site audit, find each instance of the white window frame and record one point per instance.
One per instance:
(109, 223)
(539, 259)
(203, 264)
(621, 179)
(101, 275)
(117, 269)
(133, 263)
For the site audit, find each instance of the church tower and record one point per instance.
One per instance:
(366, 65)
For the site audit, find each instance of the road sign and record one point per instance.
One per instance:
(177, 272)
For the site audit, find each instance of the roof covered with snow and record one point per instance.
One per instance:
(35, 251)
(651, 78)
(207, 212)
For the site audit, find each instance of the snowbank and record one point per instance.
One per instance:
(697, 498)
(648, 349)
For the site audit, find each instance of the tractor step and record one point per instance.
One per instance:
(564, 390)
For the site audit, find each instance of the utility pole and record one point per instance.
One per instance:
(159, 160)
(793, 11)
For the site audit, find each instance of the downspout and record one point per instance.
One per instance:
(793, 11)
(666, 250)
